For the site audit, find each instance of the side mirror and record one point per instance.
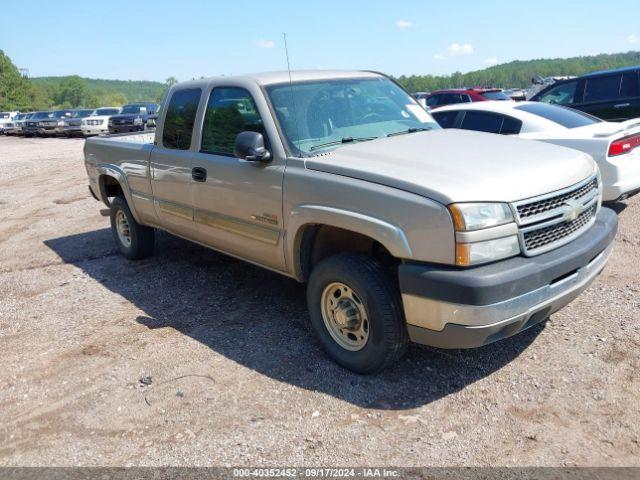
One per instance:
(250, 147)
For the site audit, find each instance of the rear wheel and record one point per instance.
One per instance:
(134, 241)
(356, 312)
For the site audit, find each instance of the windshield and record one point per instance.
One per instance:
(567, 117)
(328, 113)
(61, 114)
(106, 111)
(496, 96)
(20, 116)
(81, 113)
(41, 115)
(132, 109)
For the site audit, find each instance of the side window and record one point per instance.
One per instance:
(602, 88)
(433, 100)
(230, 110)
(181, 115)
(629, 85)
(511, 126)
(482, 122)
(464, 98)
(445, 119)
(562, 94)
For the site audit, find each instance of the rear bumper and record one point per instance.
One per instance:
(449, 307)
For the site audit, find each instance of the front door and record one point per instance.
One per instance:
(239, 204)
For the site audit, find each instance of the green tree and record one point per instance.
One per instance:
(73, 92)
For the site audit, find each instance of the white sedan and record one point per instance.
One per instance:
(612, 145)
(98, 121)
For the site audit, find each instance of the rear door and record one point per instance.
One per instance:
(172, 161)
(611, 97)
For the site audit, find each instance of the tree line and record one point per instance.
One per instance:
(17, 93)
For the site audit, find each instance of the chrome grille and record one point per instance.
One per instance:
(542, 237)
(552, 220)
(536, 208)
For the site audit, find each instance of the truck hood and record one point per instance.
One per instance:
(459, 166)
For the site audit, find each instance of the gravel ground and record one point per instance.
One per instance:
(236, 377)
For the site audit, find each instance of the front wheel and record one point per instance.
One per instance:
(356, 312)
(134, 241)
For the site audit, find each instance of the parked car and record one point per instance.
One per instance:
(132, 118)
(440, 98)
(402, 230)
(14, 127)
(612, 145)
(5, 118)
(54, 124)
(96, 123)
(517, 94)
(30, 127)
(73, 123)
(612, 95)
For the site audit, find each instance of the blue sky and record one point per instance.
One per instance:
(190, 38)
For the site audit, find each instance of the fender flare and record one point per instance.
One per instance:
(388, 235)
(115, 172)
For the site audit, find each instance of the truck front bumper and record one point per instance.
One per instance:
(449, 307)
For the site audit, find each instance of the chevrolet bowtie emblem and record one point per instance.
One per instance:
(572, 210)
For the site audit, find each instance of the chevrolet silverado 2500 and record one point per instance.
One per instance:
(403, 231)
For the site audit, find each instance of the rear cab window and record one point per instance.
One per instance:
(180, 118)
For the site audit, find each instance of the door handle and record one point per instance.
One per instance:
(199, 174)
(621, 105)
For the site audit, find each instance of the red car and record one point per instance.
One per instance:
(440, 98)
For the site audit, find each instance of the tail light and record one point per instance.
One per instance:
(624, 145)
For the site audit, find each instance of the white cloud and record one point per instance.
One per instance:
(265, 43)
(633, 39)
(455, 49)
(404, 24)
(491, 61)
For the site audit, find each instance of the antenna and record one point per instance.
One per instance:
(293, 98)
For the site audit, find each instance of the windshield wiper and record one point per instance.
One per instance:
(343, 140)
(410, 130)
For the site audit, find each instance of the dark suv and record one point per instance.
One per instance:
(612, 95)
(132, 118)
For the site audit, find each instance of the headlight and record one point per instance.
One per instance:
(111, 122)
(485, 232)
(474, 216)
(487, 251)
(61, 123)
(137, 121)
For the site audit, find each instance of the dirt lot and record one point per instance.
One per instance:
(237, 378)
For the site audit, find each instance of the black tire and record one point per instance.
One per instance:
(378, 291)
(142, 238)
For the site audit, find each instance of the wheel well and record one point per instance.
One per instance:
(109, 187)
(322, 241)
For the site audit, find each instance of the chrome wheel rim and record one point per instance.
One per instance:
(344, 316)
(122, 227)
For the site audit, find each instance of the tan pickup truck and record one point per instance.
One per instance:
(402, 231)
